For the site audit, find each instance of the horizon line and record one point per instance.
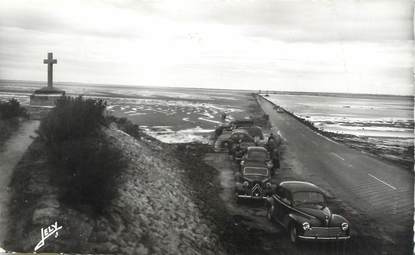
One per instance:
(186, 87)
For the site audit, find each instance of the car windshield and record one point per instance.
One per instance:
(257, 155)
(309, 199)
(255, 132)
(256, 171)
(243, 123)
(242, 136)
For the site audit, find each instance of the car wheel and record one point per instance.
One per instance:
(293, 234)
(270, 211)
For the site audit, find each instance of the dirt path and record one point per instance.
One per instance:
(9, 157)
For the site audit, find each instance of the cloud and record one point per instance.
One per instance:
(281, 20)
(304, 20)
(342, 45)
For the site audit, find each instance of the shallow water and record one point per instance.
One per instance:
(172, 115)
(369, 116)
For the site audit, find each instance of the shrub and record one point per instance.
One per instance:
(125, 125)
(72, 118)
(11, 109)
(86, 163)
(87, 172)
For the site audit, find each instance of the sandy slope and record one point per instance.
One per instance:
(154, 213)
(156, 206)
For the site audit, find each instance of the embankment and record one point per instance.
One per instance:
(156, 211)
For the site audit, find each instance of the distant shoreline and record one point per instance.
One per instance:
(263, 91)
(358, 143)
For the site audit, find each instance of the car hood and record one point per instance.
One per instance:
(246, 144)
(324, 215)
(248, 163)
(255, 178)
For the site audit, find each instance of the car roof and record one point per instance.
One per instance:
(255, 164)
(242, 120)
(254, 130)
(253, 127)
(240, 130)
(297, 186)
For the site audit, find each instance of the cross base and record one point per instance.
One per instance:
(49, 90)
(46, 96)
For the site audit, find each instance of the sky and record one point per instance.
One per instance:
(351, 46)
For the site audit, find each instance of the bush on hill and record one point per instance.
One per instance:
(11, 109)
(73, 118)
(86, 163)
(125, 125)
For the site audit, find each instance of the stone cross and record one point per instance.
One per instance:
(50, 61)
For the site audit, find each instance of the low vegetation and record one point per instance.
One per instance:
(86, 165)
(11, 109)
(10, 112)
(125, 125)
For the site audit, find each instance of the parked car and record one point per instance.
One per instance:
(254, 131)
(222, 140)
(301, 208)
(241, 123)
(239, 137)
(254, 182)
(256, 154)
(280, 110)
(240, 148)
(223, 132)
(221, 129)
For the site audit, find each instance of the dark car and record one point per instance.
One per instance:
(254, 131)
(241, 123)
(239, 137)
(222, 140)
(221, 129)
(256, 154)
(301, 208)
(254, 181)
(240, 148)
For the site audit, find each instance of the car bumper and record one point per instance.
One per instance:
(324, 237)
(251, 197)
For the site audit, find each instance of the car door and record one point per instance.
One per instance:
(284, 208)
(280, 205)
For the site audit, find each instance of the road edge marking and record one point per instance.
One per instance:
(387, 184)
(335, 154)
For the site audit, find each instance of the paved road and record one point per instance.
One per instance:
(372, 187)
(10, 155)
